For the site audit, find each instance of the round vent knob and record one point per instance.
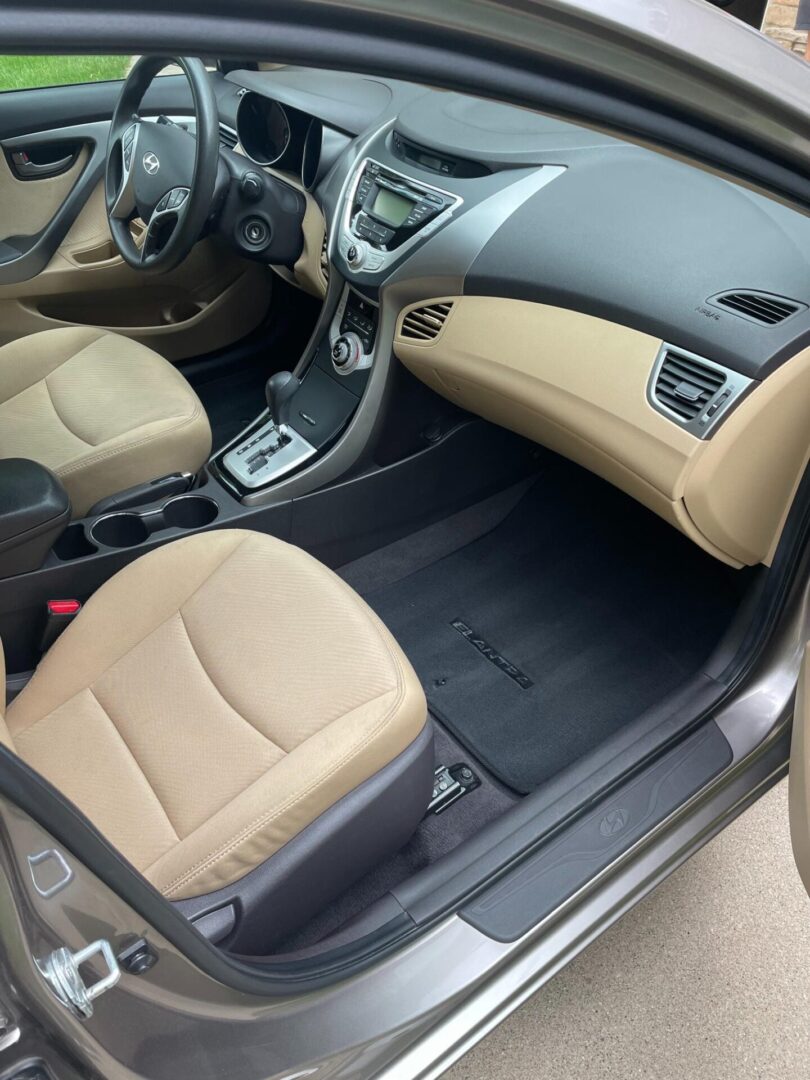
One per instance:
(346, 353)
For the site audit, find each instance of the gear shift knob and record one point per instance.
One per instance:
(279, 391)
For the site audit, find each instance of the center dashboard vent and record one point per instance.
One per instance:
(425, 323)
(759, 307)
(685, 385)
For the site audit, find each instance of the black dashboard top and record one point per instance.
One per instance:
(643, 240)
(623, 232)
(493, 133)
(349, 103)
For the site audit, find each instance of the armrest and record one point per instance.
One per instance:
(34, 509)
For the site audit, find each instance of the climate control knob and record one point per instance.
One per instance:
(346, 353)
(356, 254)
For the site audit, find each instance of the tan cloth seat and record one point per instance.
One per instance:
(102, 411)
(212, 700)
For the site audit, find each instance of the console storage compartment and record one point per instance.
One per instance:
(34, 510)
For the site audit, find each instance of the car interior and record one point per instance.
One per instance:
(384, 473)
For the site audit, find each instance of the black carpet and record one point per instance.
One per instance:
(576, 614)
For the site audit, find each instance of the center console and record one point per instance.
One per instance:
(381, 214)
(315, 409)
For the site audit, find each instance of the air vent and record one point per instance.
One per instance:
(325, 258)
(762, 308)
(227, 137)
(425, 323)
(684, 385)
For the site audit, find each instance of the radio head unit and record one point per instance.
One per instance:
(387, 211)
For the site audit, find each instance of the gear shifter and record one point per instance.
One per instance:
(279, 391)
(274, 448)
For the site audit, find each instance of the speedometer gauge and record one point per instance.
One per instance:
(264, 129)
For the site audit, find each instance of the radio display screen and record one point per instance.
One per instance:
(391, 207)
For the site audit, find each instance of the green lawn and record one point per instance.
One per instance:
(24, 72)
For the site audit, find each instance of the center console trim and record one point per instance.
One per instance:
(295, 451)
(366, 358)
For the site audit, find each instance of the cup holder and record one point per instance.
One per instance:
(189, 512)
(128, 529)
(120, 530)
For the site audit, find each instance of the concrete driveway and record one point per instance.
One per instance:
(707, 979)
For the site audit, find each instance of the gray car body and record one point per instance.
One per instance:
(677, 74)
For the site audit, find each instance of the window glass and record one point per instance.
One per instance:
(28, 72)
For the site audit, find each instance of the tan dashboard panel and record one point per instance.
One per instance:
(308, 271)
(555, 374)
(742, 486)
(577, 384)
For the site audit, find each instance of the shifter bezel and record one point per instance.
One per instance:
(292, 450)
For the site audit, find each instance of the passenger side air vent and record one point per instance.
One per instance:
(425, 323)
(227, 137)
(762, 308)
(684, 385)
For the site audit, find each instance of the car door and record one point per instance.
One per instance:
(799, 777)
(58, 263)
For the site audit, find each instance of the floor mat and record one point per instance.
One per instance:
(567, 621)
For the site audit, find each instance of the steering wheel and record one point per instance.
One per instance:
(160, 172)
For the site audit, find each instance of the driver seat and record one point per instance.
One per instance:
(101, 411)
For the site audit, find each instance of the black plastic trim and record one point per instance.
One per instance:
(367, 825)
(551, 875)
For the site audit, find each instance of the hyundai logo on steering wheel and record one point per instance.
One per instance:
(151, 163)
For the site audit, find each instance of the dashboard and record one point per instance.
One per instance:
(643, 316)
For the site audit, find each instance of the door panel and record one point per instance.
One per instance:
(36, 215)
(58, 264)
(211, 300)
(27, 206)
(799, 779)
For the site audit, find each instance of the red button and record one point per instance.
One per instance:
(63, 607)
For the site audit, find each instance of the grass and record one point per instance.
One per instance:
(25, 72)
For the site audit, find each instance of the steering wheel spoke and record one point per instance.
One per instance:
(124, 205)
(164, 220)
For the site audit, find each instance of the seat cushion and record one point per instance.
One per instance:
(102, 411)
(211, 701)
